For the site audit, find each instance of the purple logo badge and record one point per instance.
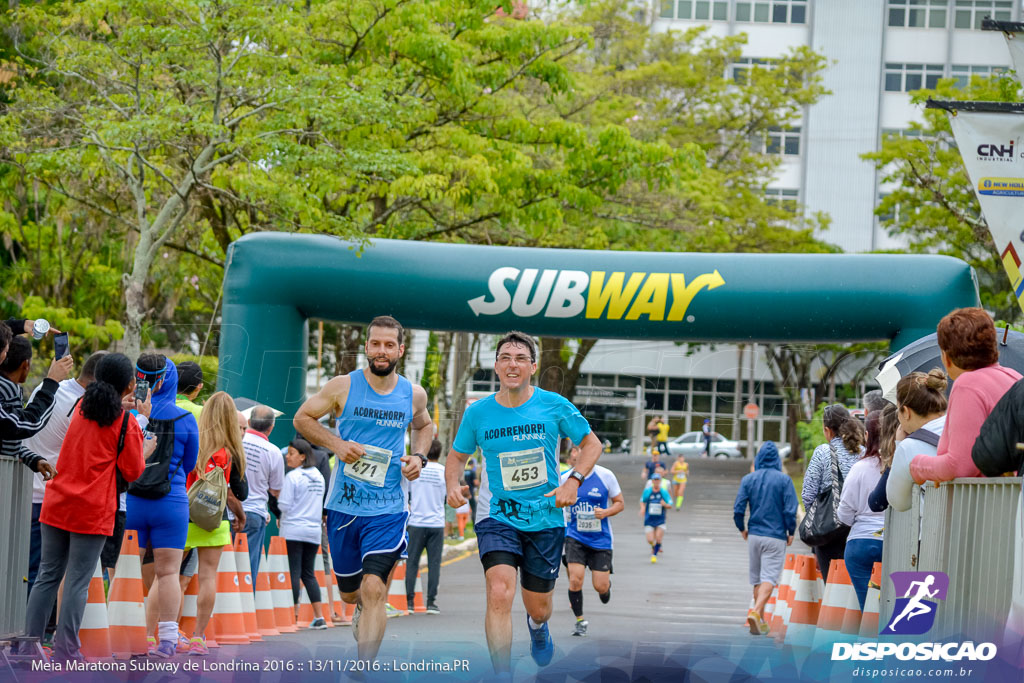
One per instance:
(914, 612)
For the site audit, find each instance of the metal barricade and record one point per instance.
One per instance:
(967, 530)
(901, 549)
(15, 526)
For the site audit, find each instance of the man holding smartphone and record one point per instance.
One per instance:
(18, 421)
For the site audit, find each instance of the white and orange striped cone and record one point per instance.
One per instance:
(265, 602)
(245, 587)
(872, 605)
(126, 614)
(94, 633)
(769, 608)
(281, 586)
(780, 619)
(839, 598)
(228, 618)
(803, 618)
(396, 589)
(190, 606)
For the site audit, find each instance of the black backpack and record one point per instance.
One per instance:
(154, 482)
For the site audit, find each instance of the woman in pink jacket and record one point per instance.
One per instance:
(967, 340)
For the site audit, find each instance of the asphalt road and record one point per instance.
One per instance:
(696, 596)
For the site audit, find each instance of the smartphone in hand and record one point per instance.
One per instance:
(60, 345)
(141, 390)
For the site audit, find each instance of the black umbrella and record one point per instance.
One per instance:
(923, 355)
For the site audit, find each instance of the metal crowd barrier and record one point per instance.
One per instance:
(15, 525)
(967, 529)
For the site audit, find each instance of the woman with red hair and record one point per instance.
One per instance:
(967, 340)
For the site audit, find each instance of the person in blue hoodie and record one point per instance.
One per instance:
(158, 510)
(772, 500)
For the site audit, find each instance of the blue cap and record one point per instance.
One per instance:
(655, 476)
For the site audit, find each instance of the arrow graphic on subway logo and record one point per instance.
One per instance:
(557, 293)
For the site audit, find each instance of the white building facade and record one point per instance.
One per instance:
(877, 52)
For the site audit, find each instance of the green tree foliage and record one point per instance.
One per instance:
(932, 204)
(184, 125)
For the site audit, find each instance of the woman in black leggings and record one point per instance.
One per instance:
(302, 509)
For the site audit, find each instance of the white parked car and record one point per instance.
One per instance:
(691, 444)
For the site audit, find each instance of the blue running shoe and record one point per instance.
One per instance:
(541, 647)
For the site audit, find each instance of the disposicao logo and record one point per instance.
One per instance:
(1001, 187)
(568, 293)
(914, 613)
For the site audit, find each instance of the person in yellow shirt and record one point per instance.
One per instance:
(663, 436)
(680, 473)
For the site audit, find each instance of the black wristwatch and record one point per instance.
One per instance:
(577, 476)
(423, 459)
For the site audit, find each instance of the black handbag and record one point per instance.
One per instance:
(821, 524)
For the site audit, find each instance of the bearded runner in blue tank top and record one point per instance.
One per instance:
(519, 521)
(366, 504)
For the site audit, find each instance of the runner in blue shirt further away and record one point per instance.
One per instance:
(654, 503)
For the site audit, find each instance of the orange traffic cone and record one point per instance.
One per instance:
(780, 618)
(805, 603)
(396, 589)
(94, 633)
(246, 588)
(281, 586)
(125, 612)
(869, 620)
(227, 616)
(265, 602)
(839, 598)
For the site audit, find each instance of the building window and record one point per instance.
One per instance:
(784, 142)
(742, 66)
(787, 199)
(969, 13)
(908, 77)
(695, 10)
(918, 13)
(963, 72)
(773, 11)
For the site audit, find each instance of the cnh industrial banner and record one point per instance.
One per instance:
(992, 147)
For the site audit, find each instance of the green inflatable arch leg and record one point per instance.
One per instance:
(274, 282)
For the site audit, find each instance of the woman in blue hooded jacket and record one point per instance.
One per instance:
(162, 523)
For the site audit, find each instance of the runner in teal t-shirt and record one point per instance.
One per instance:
(519, 523)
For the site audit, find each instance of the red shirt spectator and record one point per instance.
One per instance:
(82, 498)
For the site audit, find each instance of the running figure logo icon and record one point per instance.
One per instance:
(914, 613)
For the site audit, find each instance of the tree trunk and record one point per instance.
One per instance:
(466, 351)
(346, 351)
(559, 366)
(135, 295)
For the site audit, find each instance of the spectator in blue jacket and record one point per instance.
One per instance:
(772, 500)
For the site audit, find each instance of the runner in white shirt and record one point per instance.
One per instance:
(302, 511)
(426, 527)
(264, 469)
